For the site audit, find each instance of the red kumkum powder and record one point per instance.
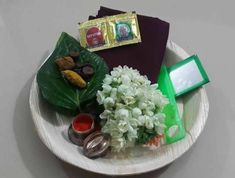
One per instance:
(83, 122)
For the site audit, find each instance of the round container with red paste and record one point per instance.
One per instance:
(83, 123)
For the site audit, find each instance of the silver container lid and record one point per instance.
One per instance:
(96, 144)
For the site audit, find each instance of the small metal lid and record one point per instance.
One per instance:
(96, 144)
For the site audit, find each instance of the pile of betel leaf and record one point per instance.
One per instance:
(58, 91)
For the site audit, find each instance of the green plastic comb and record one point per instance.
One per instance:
(174, 130)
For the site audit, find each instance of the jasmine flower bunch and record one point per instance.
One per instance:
(132, 108)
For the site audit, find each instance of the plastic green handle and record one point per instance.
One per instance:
(174, 130)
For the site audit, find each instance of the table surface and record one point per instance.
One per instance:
(28, 32)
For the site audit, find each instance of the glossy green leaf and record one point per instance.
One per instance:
(56, 90)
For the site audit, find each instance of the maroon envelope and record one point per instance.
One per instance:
(146, 56)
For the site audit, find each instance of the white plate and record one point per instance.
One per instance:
(52, 130)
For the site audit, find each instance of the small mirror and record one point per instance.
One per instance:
(187, 75)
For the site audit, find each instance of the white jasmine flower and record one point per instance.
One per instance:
(108, 102)
(123, 126)
(160, 128)
(107, 80)
(125, 79)
(121, 114)
(142, 105)
(123, 89)
(100, 97)
(132, 134)
(106, 88)
(149, 113)
(115, 74)
(148, 122)
(141, 119)
(130, 102)
(136, 112)
(105, 114)
(160, 117)
(114, 93)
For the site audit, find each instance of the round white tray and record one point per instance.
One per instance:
(52, 130)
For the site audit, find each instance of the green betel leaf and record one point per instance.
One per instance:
(56, 90)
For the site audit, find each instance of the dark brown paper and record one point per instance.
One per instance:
(146, 56)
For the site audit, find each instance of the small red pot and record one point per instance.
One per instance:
(83, 123)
